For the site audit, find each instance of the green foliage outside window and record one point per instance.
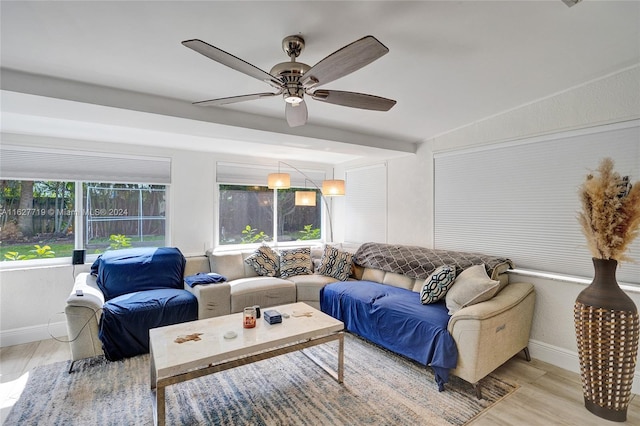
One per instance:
(119, 241)
(251, 235)
(37, 253)
(309, 233)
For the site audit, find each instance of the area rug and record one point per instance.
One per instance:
(380, 388)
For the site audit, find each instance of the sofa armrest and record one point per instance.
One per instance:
(490, 333)
(92, 296)
(214, 300)
(507, 298)
(83, 317)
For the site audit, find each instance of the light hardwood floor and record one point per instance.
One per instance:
(547, 395)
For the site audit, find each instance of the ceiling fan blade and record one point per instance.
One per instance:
(354, 100)
(296, 114)
(344, 61)
(231, 61)
(234, 99)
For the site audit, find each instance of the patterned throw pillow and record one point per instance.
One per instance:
(295, 262)
(436, 286)
(265, 261)
(335, 263)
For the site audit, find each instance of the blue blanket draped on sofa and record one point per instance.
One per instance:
(144, 289)
(127, 319)
(394, 318)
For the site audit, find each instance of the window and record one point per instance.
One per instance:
(246, 206)
(70, 199)
(123, 215)
(36, 219)
(520, 199)
(246, 215)
(39, 219)
(298, 222)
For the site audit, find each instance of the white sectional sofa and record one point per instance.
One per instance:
(244, 287)
(486, 334)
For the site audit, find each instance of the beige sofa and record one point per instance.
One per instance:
(243, 288)
(487, 334)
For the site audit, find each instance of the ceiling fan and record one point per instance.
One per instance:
(293, 80)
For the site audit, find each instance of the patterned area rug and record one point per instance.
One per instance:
(379, 388)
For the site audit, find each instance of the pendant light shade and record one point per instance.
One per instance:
(333, 187)
(279, 181)
(306, 198)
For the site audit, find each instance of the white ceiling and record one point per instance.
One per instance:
(451, 63)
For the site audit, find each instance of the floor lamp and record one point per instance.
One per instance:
(330, 188)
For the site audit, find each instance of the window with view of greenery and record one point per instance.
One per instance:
(39, 219)
(246, 216)
(36, 219)
(123, 214)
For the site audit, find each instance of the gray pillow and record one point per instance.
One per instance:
(472, 286)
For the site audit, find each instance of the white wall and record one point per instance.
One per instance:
(192, 201)
(611, 99)
(410, 193)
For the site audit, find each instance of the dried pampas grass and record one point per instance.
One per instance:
(610, 215)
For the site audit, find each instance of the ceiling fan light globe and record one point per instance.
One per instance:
(293, 94)
(292, 99)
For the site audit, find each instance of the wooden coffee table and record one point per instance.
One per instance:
(173, 362)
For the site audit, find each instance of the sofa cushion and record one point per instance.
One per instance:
(335, 263)
(137, 269)
(126, 319)
(262, 291)
(295, 261)
(472, 286)
(265, 261)
(398, 280)
(371, 274)
(437, 285)
(308, 286)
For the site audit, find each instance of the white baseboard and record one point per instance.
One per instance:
(567, 360)
(18, 336)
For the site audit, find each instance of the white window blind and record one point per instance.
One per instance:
(29, 163)
(252, 174)
(520, 199)
(366, 204)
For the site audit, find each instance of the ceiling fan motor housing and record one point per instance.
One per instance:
(290, 73)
